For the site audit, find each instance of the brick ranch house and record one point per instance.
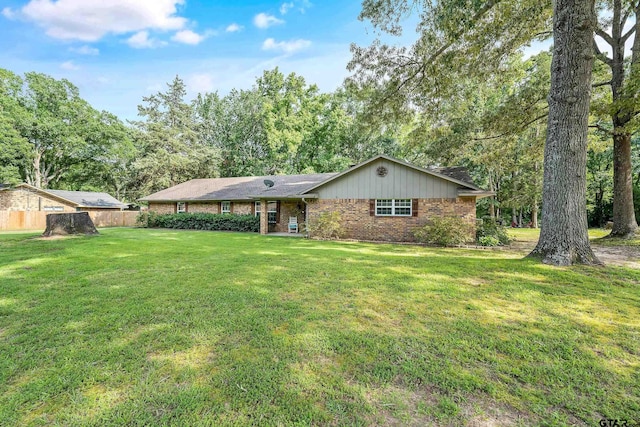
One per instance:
(27, 198)
(382, 198)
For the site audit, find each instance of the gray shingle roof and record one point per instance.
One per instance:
(239, 188)
(457, 172)
(89, 199)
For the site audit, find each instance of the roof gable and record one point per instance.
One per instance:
(448, 174)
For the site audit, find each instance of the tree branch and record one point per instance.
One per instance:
(601, 56)
(601, 84)
(605, 36)
(626, 15)
(603, 129)
(442, 49)
(511, 132)
(628, 34)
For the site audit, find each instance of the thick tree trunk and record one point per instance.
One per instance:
(563, 238)
(520, 220)
(624, 216)
(624, 220)
(492, 202)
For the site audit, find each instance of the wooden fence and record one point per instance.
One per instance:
(21, 220)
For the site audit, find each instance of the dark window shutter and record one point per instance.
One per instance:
(253, 208)
(186, 207)
(219, 207)
(175, 208)
(414, 207)
(278, 212)
(372, 207)
(231, 207)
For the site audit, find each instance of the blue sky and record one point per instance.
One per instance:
(117, 51)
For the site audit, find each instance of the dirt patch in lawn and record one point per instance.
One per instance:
(396, 405)
(624, 256)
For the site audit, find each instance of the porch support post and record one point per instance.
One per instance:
(264, 217)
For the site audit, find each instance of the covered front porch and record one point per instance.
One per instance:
(282, 216)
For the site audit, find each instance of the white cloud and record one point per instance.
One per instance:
(85, 50)
(69, 66)
(8, 13)
(234, 28)
(188, 37)
(284, 7)
(263, 20)
(91, 20)
(304, 5)
(289, 47)
(141, 40)
(200, 83)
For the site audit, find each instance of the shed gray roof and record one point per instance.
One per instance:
(239, 188)
(89, 199)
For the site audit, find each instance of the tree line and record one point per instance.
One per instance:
(51, 138)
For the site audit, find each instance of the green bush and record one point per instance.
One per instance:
(144, 218)
(490, 228)
(327, 226)
(488, 241)
(201, 221)
(445, 231)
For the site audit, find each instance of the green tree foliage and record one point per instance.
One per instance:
(13, 146)
(51, 137)
(284, 126)
(169, 142)
(234, 126)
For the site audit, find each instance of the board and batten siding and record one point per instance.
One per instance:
(401, 182)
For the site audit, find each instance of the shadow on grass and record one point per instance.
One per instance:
(217, 328)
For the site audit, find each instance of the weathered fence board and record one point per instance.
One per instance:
(22, 220)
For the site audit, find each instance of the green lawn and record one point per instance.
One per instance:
(532, 234)
(159, 327)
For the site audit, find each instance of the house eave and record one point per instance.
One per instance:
(247, 199)
(479, 194)
(289, 197)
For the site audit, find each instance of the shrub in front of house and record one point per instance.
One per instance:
(489, 227)
(327, 226)
(445, 231)
(201, 221)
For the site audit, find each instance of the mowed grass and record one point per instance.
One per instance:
(160, 327)
(597, 236)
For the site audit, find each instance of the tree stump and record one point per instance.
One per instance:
(69, 223)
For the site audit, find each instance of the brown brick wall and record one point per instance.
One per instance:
(242, 208)
(162, 208)
(212, 207)
(20, 199)
(238, 208)
(358, 224)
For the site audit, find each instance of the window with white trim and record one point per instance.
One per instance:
(257, 209)
(272, 211)
(225, 207)
(53, 208)
(181, 207)
(393, 207)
